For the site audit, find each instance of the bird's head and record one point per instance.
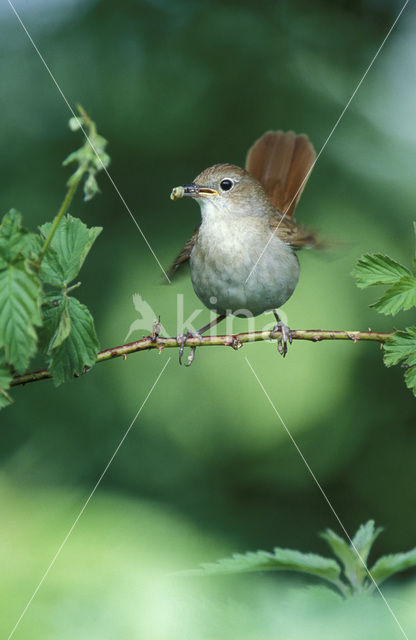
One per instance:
(225, 189)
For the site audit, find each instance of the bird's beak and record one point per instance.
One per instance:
(192, 191)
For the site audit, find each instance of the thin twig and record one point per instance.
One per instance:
(234, 341)
(64, 208)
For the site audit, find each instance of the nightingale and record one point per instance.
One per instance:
(243, 254)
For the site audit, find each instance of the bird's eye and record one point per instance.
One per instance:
(226, 184)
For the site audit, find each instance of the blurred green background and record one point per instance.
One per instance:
(208, 469)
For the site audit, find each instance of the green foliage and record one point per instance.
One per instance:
(19, 313)
(401, 296)
(350, 554)
(279, 560)
(378, 269)
(14, 239)
(91, 157)
(365, 538)
(387, 566)
(402, 350)
(37, 316)
(20, 294)
(67, 251)
(5, 379)
(343, 551)
(71, 343)
(353, 557)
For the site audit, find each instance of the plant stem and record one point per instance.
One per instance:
(64, 207)
(234, 341)
(86, 121)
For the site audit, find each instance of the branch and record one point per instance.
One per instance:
(234, 341)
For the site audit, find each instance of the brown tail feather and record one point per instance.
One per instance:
(281, 162)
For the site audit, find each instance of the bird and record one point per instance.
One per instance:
(243, 255)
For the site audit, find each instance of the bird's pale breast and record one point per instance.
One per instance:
(223, 257)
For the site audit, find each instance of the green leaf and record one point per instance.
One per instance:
(6, 377)
(69, 247)
(410, 379)
(91, 187)
(5, 398)
(91, 157)
(365, 538)
(345, 553)
(5, 374)
(14, 240)
(78, 351)
(353, 555)
(401, 296)
(19, 313)
(386, 566)
(20, 292)
(377, 268)
(279, 560)
(401, 346)
(56, 322)
(51, 271)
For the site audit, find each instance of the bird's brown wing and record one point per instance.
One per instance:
(282, 163)
(292, 233)
(184, 254)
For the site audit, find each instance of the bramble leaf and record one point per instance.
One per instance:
(325, 568)
(69, 247)
(386, 566)
(19, 313)
(345, 553)
(14, 239)
(20, 292)
(73, 354)
(5, 379)
(353, 556)
(365, 538)
(56, 322)
(54, 257)
(278, 560)
(363, 541)
(410, 379)
(402, 349)
(377, 268)
(401, 346)
(401, 296)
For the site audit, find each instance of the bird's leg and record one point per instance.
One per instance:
(182, 339)
(285, 337)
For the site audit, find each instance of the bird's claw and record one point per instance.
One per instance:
(285, 337)
(182, 340)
